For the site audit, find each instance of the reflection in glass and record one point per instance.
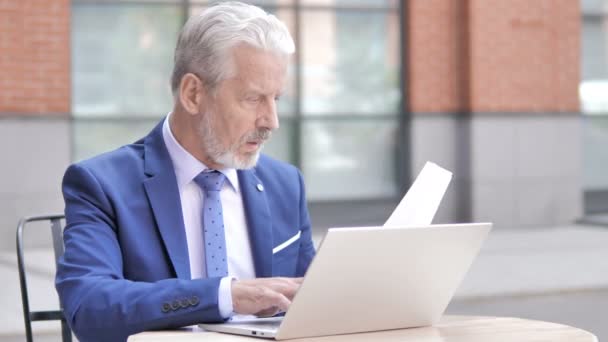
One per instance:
(122, 57)
(351, 62)
(349, 159)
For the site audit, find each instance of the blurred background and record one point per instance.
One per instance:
(510, 95)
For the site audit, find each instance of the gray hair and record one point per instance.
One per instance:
(204, 44)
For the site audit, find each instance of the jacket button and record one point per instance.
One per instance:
(194, 300)
(175, 305)
(166, 307)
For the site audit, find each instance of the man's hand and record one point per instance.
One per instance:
(263, 296)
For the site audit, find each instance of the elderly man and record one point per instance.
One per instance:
(191, 224)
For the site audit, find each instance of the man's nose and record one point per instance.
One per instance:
(269, 117)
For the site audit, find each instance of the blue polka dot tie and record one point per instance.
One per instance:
(213, 223)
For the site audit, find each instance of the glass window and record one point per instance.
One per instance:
(339, 113)
(280, 145)
(352, 3)
(261, 3)
(594, 67)
(350, 102)
(347, 159)
(122, 57)
(594, 103)
(593, 6)
(350, 68)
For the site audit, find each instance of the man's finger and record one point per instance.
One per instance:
(277, 299)
(287, 286)
(276, 302)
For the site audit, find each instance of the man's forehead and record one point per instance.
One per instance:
(245, 54)
(259, 73)
(263, 87)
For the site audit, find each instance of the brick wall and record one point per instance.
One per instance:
(437, 58)
(493, 56)
(34, 58)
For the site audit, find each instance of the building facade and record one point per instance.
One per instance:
(489, 90)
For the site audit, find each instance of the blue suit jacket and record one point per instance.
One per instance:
(126, 268)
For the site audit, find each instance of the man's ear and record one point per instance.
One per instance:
(191, 93)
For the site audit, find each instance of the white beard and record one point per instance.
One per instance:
(228, 157)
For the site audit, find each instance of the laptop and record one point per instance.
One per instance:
(372, 278)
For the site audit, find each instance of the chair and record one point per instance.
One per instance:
(29, 316)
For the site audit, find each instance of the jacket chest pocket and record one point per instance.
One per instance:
(285, 257)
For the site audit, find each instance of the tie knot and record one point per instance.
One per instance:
(210, 180)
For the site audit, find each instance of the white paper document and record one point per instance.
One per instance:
(420, 203)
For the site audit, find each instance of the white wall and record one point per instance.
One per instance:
(514, 170)
(34, 154)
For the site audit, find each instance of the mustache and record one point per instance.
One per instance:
(259, 135)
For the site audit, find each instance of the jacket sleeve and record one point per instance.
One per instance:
(307, 249)
(99, 303)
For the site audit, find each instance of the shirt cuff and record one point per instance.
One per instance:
(224, 301)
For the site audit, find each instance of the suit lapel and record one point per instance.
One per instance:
(259, 222)
(163, 194)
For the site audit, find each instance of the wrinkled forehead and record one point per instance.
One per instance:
(259, 69)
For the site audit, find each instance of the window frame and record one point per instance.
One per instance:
(402, 152)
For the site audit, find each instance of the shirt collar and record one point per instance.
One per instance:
(186, 165)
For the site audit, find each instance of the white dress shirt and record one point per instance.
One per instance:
(238, 247)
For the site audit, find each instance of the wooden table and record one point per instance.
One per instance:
(449, 329)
